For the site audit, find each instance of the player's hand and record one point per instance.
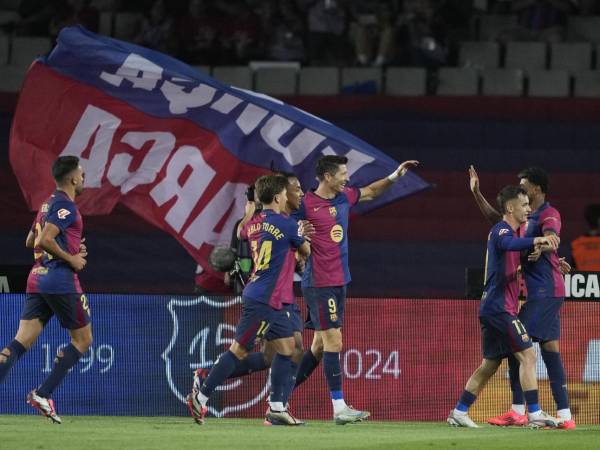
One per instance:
(551, 240)
(403, 168)
(82, 248)
(473, 179)
(77, 262)
(305, 228)
(535, 255)
(250, 208)
(564, 266)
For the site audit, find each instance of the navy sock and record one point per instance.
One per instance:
(333, 373)
(280, 377)
(307, 365)
(291, 382)
(533, 403)
(12, 353)
(558, 378)
(219, 372)
(515, 382)
(62, 365)
(465, 401)
(254, 362)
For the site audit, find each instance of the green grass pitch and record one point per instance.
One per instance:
(179, 433)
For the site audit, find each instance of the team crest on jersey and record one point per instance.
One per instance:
(503, 231)
(333, 211)
(337, 233)
(62, 213)
(202, 330)
(525, 337)
(333, 317)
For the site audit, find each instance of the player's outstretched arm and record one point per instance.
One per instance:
(486, 209)
(304, 249)
(49, 244)
(375, 189)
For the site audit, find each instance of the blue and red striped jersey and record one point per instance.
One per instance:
(273, 239)
(50, 275)
(327, 264)
(543, 277)
(501, 290)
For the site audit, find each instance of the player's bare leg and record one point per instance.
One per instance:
(459, 416)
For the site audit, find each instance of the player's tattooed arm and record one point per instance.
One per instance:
(30, 240)
(375, 189)
(49, 244)
(486, 209)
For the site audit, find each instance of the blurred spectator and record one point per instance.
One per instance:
(538, 20)
(240, 33)
(328, 20)
(375, 37)
(198, 31)
(451, 25)
(72, 12)
(157, 29)
(35, 16)
(418, 43)
(285, 40)
(586, 249)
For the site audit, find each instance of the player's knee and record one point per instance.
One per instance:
(83, 342)
(238, 350)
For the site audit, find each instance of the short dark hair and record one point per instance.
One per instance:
(592, 215)
(508, 193)
(329, 164)
(63, 166)
(537, 176)
(268, 186)
(286, 175)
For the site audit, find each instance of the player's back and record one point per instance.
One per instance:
(500, 293)
(49, 274)
(328, 262)
(543, 277)
(273, 238)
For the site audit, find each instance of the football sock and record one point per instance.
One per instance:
(291, 382)
(12, 353)
(519, 408)
(254, 362)
(515, 383)
(531, 397)
(558, 379)
(306, 367)
(225, 365)
(465, 401)
(280, 378)
(564, 414)
(62, 364)
(333, 373)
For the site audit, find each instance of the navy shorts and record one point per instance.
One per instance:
(261, 320)
(501, 335)
(72, 310)
(325, 306)
(293, 311)
(541, 317)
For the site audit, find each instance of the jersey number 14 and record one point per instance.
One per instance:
(261, 256)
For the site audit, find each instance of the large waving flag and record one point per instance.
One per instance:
(174, 145)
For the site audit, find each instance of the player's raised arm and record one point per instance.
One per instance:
(487, 210)
(49, 244)
(375, 189)
(30, 240)
(250, 210)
